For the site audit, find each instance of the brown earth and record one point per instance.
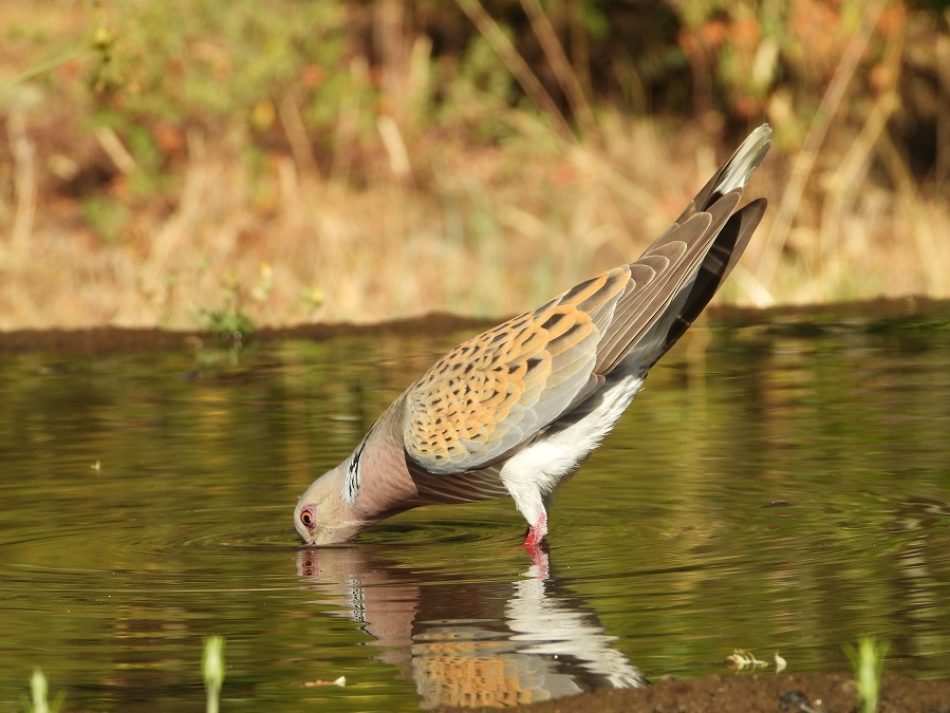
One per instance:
(765, 693)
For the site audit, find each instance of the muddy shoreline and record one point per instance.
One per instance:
(106, 339)
(754, 693)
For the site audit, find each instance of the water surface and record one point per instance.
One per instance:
(780, 486)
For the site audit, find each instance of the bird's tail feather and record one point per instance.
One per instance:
(725, 247)
(732, 239)
(718, 263)
(734, 173)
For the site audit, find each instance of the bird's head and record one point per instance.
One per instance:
(322, 517)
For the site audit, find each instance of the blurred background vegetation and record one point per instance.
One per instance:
(220, 164)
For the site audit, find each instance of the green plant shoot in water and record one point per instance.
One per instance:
(867, 660)
(212, 669)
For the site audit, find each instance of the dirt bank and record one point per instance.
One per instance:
(765, 693)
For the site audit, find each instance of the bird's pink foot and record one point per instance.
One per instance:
(537, 532)
(537, 547)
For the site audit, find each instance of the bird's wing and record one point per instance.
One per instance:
(494, 392)
(498, 389)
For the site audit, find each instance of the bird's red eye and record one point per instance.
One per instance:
(306, 517)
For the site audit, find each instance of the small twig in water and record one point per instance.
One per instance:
(742, 659)
(338, 681)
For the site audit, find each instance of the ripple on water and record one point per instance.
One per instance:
(775, 505)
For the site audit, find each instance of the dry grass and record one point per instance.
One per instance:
(443, 224)
(489, 234)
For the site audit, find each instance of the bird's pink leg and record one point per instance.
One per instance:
(535, 546)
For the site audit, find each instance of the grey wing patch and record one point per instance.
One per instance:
(465, 487)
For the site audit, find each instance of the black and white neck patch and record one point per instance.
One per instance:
(351, 485)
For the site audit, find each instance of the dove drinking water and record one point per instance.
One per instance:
(516, 409)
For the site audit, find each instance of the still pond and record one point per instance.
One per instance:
(782, 485)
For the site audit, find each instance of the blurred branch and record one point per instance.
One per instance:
(395, 147)
(557, 58)
(943, 99)
(805, 161)
(115, 150)
(44, 67)
(845, 182)
(513, 60)
(296, 132)
(24, 159)
(925, 242)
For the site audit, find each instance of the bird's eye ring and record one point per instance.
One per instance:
(306, 517)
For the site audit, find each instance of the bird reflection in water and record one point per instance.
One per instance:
(472, 644)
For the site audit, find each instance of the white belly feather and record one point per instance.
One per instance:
(533, 473)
